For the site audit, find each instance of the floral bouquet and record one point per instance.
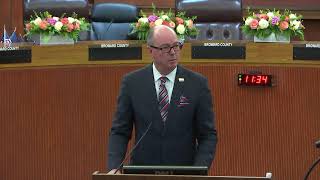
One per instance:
(266, 22)
(182, 25)
(45, 23)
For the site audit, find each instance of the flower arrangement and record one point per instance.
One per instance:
(266, 22)
(181, 24)
(45, 23)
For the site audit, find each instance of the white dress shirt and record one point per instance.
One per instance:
(169, 84)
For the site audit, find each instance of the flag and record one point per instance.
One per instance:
(14, 38)
(5, 35)
(5, 38)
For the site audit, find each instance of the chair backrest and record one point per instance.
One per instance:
(57, 7)
(111, 21)
(216, 19)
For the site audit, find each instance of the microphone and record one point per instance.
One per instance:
(318, 144)
(134, 147)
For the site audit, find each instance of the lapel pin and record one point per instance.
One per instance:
(181, 79)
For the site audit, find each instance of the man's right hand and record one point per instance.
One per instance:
(113, 171)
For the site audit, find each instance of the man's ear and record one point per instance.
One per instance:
(150, 49)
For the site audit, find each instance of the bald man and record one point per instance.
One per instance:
(170, 108)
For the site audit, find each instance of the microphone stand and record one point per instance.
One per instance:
(134, 147)
(106, 32)
(311, 168)
(314, 163)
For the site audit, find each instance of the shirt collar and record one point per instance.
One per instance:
(156, 74)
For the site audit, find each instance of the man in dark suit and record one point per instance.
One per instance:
(169, 106)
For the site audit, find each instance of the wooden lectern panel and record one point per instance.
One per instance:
(55, 120)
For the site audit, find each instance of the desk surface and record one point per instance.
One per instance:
(78, 54)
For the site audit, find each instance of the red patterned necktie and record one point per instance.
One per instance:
(163, 99)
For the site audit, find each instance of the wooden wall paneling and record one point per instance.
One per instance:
(17, 16)
(11, 15)
(265, 129)
(5, 19)
(55, 121)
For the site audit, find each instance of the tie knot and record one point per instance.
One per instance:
(163, 79)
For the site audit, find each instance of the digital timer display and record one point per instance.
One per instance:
(254, 80)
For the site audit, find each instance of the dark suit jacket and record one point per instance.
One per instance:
(188, 137)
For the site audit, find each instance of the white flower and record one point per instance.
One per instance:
(292, 16)
(56, 18)
(296, 24)
(189, 23)
(71, 20)
(77, 21)
(181, 29)
(143, 20)
(158, 22)
(58, 26)
(263, 24)
(270, 15)
(248, 21)
(165, 17)
(37, 21)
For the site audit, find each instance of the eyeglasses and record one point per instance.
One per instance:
(167, 49)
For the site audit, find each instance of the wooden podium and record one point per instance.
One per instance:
(104, 176)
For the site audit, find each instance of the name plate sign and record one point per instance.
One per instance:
(115, 51)
(218, 50)
(309, 51)
(15, 54)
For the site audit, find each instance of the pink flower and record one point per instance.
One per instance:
(28, 26)
(166, 23)
(64, 21)
(77, 26)
(151, 24)
(254, 24)
(179, 20)
(264, 16)
(43, 25)
(172, 24)
(70, 27)
(284, 25)
(287, 19)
